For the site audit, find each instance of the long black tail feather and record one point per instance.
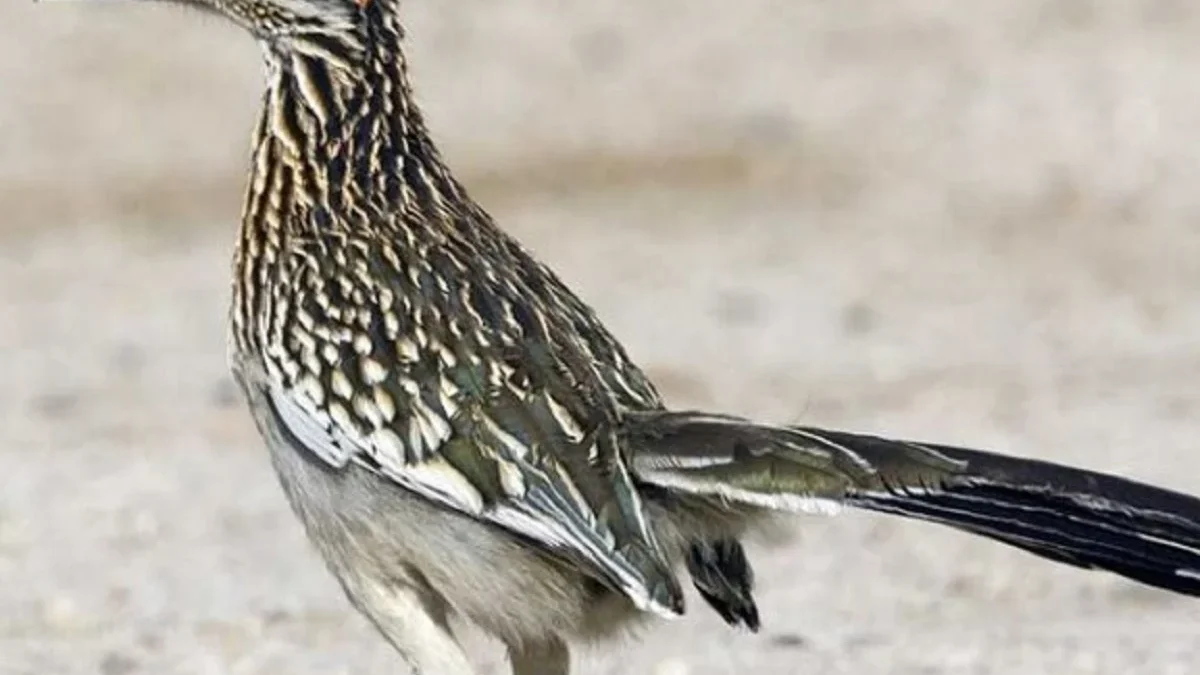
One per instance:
(1074, 516)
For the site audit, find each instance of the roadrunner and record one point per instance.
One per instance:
(462, 437)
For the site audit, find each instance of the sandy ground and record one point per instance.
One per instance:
(972, 222)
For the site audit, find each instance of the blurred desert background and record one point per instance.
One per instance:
(975, 222)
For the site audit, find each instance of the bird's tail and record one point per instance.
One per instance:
(1074, 516)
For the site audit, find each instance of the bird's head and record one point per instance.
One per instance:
(283, 20)
(279, 22)
(329, 64)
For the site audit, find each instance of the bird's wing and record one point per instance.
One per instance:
(487, 465)
(1070, 515)
(489, 430)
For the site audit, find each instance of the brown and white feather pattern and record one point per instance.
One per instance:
(390, 326)
(396, 328)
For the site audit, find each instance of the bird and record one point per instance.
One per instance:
(463, 439)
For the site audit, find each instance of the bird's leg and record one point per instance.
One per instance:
(414, 621)
(544, 658)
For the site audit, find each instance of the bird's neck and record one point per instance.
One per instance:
(340, 149)
(340, 136)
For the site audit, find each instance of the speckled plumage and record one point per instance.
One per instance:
(396, 328)
(461, 436)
